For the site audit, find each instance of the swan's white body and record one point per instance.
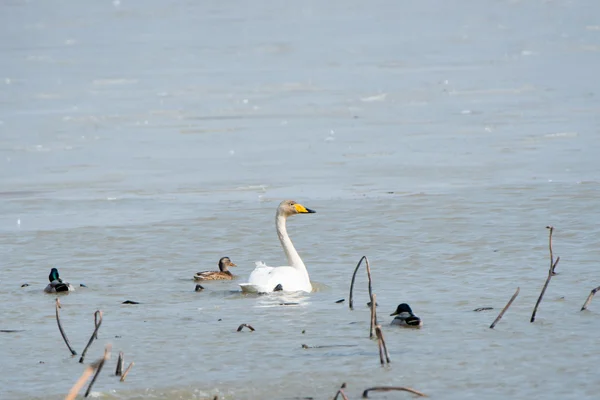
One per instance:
(292, 278)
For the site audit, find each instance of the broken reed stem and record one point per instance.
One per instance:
(120, 362)
(373, 316)
(341, 392)
(60, 328)
(239, 329)
(391, 388)
(382, 346)
(550, 274)
(98, 315)
(351, 302)
(100, 365)
(589, 298)
(89, 370)
(127, 371)
(499, 317)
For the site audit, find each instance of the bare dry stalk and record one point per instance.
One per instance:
(98, 318)
(89, 370)
(120, 362)
(589, 298)
(60, 328)
(373, 316)
(499, 317)
(351, 302)
(99, 367)
(382, 346)
(127, 371)
(365, 394)
(550, 274)
(340, 392)
(239, 329)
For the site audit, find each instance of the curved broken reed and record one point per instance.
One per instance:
(351, 302)
(373, 306)
(97, 323)
(382, 346)
(499, 317)
(127, 371)
(365, 394)
(120, 362)
(60, 328)
(550, 274)
(589, 298)
(239, 329)
(89, 370)
(340, 392)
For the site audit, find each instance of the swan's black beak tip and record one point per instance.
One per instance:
(308, 210)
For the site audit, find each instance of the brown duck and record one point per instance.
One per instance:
(222, 274)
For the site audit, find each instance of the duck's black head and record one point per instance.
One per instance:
(402, 308)
(53, 275)
(225, 263)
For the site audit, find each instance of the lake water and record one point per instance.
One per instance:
(140, 141)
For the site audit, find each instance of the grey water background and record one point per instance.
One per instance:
(140, 141)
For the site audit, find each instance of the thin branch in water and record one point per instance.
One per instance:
(382, 346)
(550, 274)
(97, 317)
(589, 299)
(239, 329)
(365, 394)
(351, 301)
(60, 328)
(120, 362)
(89, 371)
(499, 317)
(340, 392)
(373, 317)
(100, 365)
(127, 371)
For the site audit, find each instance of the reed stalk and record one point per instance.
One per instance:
(60, 328)
(551, 273)
(499, 317)
(351, 302)
(97, 323)
(589, 298)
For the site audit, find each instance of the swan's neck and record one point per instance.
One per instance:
(290, 251)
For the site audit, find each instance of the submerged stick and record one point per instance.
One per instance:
(60, 328)
(239, 329)
(499, 317)
(589, 298)
(382, 346)
(373, 316)
(120, 362)
(341, 392)
(127, 371)
(89, 370)
(391, 388)
(351, 302)
(98, 315)
(100, 365)
(550, 274)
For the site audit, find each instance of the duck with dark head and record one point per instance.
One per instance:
(56, 284)
(222, 274)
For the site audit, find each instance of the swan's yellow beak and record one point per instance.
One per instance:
(301, 209)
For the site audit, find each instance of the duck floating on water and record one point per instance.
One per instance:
(292, 278)
(405, 317)
(56, 284)
(222, 274)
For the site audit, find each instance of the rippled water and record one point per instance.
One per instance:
(140, 141)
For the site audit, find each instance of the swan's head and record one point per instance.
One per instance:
(225, 263)
(290, 207)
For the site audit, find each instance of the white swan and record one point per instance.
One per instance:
(290, 278)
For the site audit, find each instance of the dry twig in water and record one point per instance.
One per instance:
(60, 328)
(100, 365)
(550, 274)
(499, 317)
(373, 316)
(120, 362)
(239, 329)
(589, 299)
(97, 323)
(382, 346)
(351, 302)
(391, 388)
(89, 370)
(127, 371)
(340, 392)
